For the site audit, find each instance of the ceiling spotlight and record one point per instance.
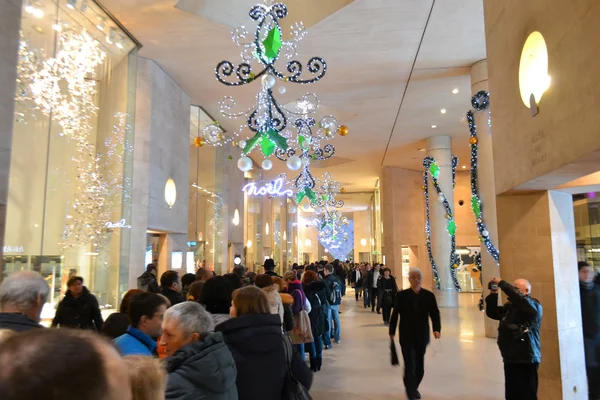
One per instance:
(421, 149)
(443, 111)
(57, 27)
(110, 38)
(119, 42)
(71, 4)
(433, 126)
(464, 167)
(455, 91)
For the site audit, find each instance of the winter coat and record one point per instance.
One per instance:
(519, 329)
(220, 318)
(296, 290)
(590, 316)
(202, 370)
(147, 281)
(387, 290)
(80, 313)
(173, 296)
(288, 314)
(135, 342)
(256, 343)
(275, 304)
(17, 322)
(316, 293)
(115, 325)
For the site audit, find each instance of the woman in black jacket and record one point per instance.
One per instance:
(316, 293)
(117, 323)
(79, 308)
(387, 293)
(254, 337)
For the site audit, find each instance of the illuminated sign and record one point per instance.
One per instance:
(273, 189)
(13, 249)
(120, 224)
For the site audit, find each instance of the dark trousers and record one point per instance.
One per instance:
(593, 375)
(387, 312)
(374, 298)
(521, 381)
(414, 365)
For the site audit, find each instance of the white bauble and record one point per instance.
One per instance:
(441, 198)
(485, 233)
(268, 81)
(244, 164)
(267, 165)
(282, 90)
(294, 163)
(242, 144)
(318, 210)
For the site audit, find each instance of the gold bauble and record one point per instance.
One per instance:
(343, 190)
(216, 123)
(286, 79)
(327, 132)
(234, 143)
(343, 130)
(199, 142)
(252, 76)
(422, 187)
(473, 140)
(454, 266)
(220, 136)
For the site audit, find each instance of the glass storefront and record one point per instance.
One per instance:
(587, 227)
(69, 200)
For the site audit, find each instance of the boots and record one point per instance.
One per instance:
(313, 364)
(319, 363)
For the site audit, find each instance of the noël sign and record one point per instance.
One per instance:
(120, 224)
(275, 188)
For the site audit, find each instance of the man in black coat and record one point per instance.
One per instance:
(589, 291)
(415, 306)
(518, 336)
(269, 267)
(170, 283)
(79, 308)
(147, 281)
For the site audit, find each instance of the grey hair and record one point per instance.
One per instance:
(416, 271)
(192, 318)
(22, 290)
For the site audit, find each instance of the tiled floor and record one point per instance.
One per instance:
(464, 364)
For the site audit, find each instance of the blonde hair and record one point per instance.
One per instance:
(147, 377)
(289, 276)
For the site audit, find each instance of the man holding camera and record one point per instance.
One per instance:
(518, 336)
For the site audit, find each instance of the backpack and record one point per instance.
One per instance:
(335, 298)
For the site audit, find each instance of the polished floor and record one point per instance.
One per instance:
(464, 364)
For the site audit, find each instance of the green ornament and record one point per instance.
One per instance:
(300, 196)
(476, 206)
(252, 142)
(451, 227)
(303, 141)
(279, 140)
(434, 169)
(230, 157)
(272, 43)
(267, 145)
(324, 197)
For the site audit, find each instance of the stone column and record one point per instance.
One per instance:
(537, 242)
(487, 188)
(10, 23)
(440, 148)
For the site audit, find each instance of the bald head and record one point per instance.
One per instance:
(523, 285)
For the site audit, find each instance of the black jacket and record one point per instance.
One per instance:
(202, 370)
(115, 325)
(387, 290)
(17, 322)
(173, 296)
(256, 343)
(272, 273)
(80, 313)
(590, 310)
(519, 329)
(415, 310)
(317, 294)
(147, 281)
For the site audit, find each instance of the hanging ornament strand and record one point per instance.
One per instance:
(432, 168)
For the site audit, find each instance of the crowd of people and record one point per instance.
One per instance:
(196, 336)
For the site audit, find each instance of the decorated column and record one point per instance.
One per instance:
(484, 165)
(442, 229)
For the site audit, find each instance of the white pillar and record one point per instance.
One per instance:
(487, 189)
(440, 148)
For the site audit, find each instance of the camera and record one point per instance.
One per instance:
(492, 286)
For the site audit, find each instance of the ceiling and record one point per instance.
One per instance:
(392, 66)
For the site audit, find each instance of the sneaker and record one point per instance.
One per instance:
(338, 341)
(327, 347)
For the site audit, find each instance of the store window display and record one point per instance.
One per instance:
(69, 203)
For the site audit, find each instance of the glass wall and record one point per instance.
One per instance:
(70, 177)
(587, 227)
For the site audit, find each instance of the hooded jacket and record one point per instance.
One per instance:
(519, 329)
(17, 322)
(202, 370)
(256, 343)
(147, 281)
(81, 312)
(317, 294)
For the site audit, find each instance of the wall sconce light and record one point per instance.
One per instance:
(249, 243)
(307, 243)
(267, 229)
(284, 235)
(533, 71)
(170, 192)
(237, 260)
(236, 217)
(363, 242)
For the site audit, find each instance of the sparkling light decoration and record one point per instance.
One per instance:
(29, 61)
(269, 120)
(432, 169)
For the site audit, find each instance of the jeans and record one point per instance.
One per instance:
(300, 349)
(334, 314)
(414, 365)
(367, 296)
(326, 335)
(374, 298)
(521, 381)
(315, 349)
